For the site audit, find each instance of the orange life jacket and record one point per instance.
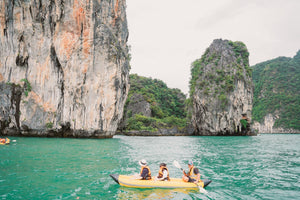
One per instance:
(149, 172)
(161, 174)
(191, 174)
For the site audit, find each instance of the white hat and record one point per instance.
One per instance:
(143, 162)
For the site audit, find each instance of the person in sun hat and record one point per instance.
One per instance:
(145, 173)
(193, 175)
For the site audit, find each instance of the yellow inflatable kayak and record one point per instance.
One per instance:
(4, 141)
(129, 181)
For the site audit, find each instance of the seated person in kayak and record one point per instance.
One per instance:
(145, 173)
(3, 140)
(193, 175)
(163, 173)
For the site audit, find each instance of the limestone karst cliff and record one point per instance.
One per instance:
(63, 67)
(221, 89)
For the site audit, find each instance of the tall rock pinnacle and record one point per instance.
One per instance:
(221, 88)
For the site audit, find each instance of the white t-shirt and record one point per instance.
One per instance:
(165, 173)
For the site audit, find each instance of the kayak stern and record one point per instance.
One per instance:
(206, 182)
(115, 177)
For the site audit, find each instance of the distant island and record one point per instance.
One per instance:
(276, 100)
(154, 109)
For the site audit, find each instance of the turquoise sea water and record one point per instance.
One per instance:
(261, 167)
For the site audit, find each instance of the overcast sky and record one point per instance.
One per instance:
(166, 36)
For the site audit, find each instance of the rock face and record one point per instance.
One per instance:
(267, 126)
(221, 89)
(69, 59)
(138, 105)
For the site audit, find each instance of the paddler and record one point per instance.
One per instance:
(145, 173)
(163, 173)
(193, 175)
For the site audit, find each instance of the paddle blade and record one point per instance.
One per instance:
(202, 190)
(176, 164)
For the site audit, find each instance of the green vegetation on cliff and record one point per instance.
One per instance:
(217, 78)
(277, 91)
(167, 105)
(221, 89)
